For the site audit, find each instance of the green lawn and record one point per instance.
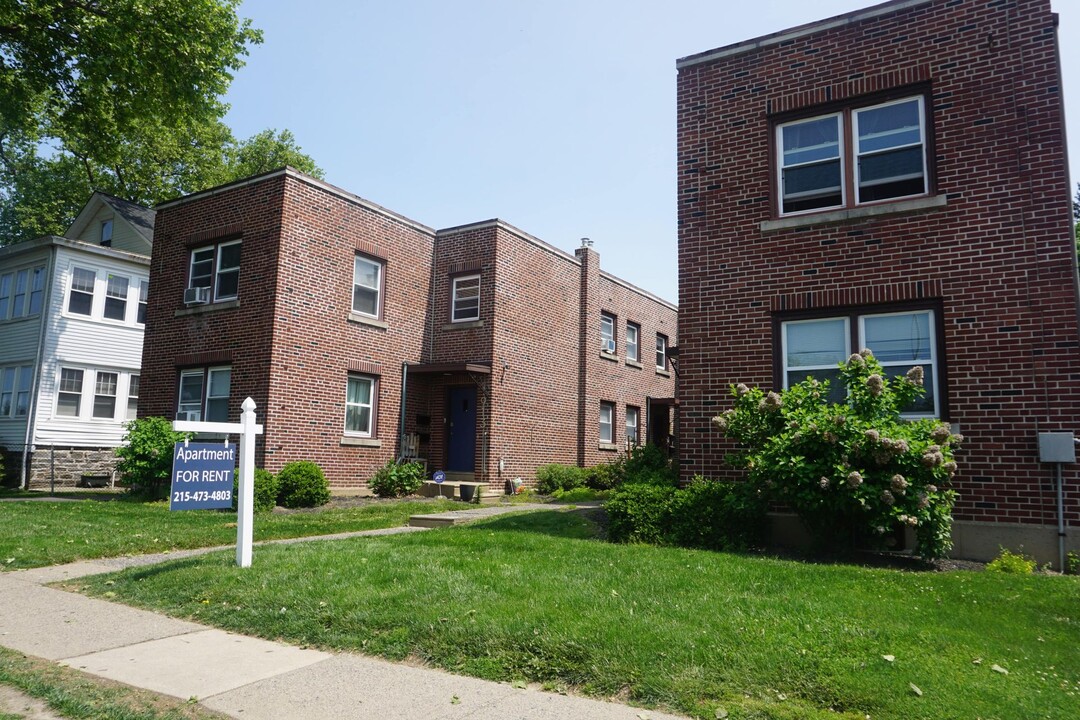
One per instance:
(42, 532)
(535, 597)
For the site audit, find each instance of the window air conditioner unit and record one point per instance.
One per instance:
(609, 346)
(197, 296)
(188, 415)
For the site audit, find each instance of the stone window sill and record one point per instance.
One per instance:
(633, 363)
(365, 320)
(607, 446)
(609, 356)
(664, 373)
(464, 325)
(361, 442)
(856, 213)
(210, 307)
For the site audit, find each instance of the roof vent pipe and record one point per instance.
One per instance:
(586, 242)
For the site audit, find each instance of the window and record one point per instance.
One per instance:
(22, 292)
(899, 340)
(15, 390)
(367, 286)
(133, 397)
(5, 294)
(144, 290)
(69, 395)
(466, 299)
(37, 289)
(106, 233)
(360, 405)
(632, 425)
(633, 332)
(116, 292)
(204, 394)
(105, 395)
(217, 267)
(661, 352)
(607, 420)
(81, 295)
(607, 333)
(855, 156)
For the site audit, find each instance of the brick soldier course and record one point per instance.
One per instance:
(981, 243)
(528, 364)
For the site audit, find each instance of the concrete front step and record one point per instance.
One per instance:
(452, 489)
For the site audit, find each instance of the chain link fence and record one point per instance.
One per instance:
(60, 468)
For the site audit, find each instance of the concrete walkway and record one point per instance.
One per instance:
(250, 678)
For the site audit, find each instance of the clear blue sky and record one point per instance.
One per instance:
(556, 116)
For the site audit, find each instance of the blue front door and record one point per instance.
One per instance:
(461, 433)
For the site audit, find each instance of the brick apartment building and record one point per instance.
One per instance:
(892, 178)
(364, 336)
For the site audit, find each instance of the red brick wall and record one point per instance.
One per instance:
(998, 257)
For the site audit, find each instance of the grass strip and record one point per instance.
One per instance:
(72, 694)
(43, 532)
(535, 597)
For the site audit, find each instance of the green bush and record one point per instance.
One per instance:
(643, 463)
(706, 514)
(266, 490)
(550, 478)
(600, 477)
(146, 457)
(1011, 563)
(396, 479)
(854, 470)
(302, 484)
(581, 494)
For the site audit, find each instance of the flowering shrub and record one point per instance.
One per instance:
(851, 471)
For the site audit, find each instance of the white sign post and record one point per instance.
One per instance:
(245, 510)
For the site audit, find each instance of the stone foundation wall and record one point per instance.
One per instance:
(71, 467)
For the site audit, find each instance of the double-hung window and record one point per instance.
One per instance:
(144, 290)
(607, 333)
(133, 397)
(466, 301)
(899, 340)
(632, 414)
(367, 286)
(360, 406)
(105, 395)
(81, 294)
(855, 156)
(116, 293)
(633, 336)
(661, 352)
(607, 422)
(204, 394)
(217, 268)
(22, 292)
(15, 385)
(69, 392)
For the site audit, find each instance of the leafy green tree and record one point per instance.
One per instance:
(122, 96)
(146, 456)
(852, 471)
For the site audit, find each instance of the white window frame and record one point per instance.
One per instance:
(61, 391)
(92, 292)
(661, 351)
(132, 411)
(140, 310)
(633, 438)
(99, 376)
(377, 289)
(609, 423)
(849, 155)
(106, 234)
(213, 280)
(463, 293)
(16, 384)
(608, 344)
(633, 346)
(207, 379)
(373, 385)
(933, 389)
(122, 300)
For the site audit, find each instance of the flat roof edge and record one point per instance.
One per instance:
(797, 32)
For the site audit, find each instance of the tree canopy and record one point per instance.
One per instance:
(123, 96)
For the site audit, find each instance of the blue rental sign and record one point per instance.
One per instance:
(439, 476)
(202, 476)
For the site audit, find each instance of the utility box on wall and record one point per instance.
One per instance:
(1057, 447)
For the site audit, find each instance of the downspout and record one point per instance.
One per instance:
(35, 387)
(404, 396)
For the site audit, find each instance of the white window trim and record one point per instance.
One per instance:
(848, 166)
(661, 337)
(94, 395)
(604, 405)
(378, 285)
(88, 391)
(608, 342)
(373, 382)
(454, 299)
(205, 396)
(636, 345)
(635, 412)
(809, 369)
(18, 372)
(215, 270)
(101, 294)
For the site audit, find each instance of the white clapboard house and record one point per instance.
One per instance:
(71, 329)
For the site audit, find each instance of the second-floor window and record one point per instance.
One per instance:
(367, 286)
(119, 304)
(633, 335)
(116, 293)
(466, 299)
(22, 293)
(854, 156)
(661, 352)
(607, 333)
(217, 268)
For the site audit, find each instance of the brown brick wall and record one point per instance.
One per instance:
(998, 257)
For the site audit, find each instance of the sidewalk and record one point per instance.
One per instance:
(250, 678)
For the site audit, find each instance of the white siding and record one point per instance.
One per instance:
(19, 341)
(89, 344)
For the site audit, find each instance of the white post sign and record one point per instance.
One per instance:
(247, 429)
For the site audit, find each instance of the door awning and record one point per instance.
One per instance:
(449, 368)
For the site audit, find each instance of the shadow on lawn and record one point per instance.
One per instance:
(577, 524)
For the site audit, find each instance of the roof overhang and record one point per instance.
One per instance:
(448, 368)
